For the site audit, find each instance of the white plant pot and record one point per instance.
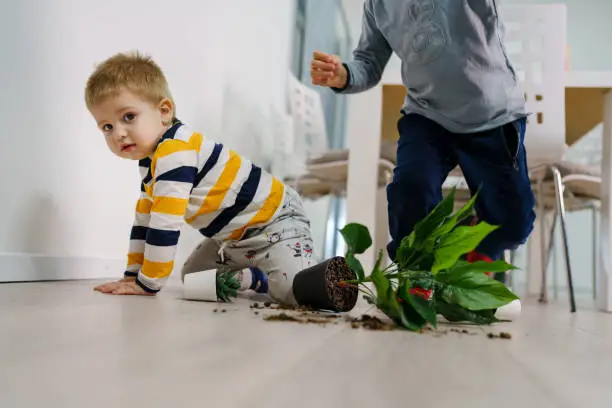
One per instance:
(511, 311)
(200, 286)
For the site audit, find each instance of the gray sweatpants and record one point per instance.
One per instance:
(280, 249)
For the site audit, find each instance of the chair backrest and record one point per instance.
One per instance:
(310, 135)
(535, 39)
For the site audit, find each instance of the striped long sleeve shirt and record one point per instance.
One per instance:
(192, 179)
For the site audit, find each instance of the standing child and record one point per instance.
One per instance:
(249, 218)
(464, 107)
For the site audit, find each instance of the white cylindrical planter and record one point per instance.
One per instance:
(511, 311)
(200, 286)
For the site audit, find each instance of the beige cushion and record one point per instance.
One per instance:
(387, 152)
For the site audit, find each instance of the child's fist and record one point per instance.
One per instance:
(327, 70)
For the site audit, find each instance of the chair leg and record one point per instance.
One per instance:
(510, 255)
(541, 214)
(594, 243)
(561, 210)
(551, 244)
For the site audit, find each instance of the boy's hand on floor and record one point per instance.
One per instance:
(327, 70)
(125, 286)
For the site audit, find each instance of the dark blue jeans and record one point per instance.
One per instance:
(493, 161)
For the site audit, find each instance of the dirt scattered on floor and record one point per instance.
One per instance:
(460, 331)
(372, 323)
(305, 315)
(281, 317)
(304, 319)
(500, 335)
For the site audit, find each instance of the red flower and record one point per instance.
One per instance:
(477, 256)
(422, 293)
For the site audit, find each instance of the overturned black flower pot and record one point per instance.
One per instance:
(318, 287)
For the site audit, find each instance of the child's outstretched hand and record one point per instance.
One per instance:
(125, 286)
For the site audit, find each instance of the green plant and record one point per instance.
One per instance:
(227, 286)
(428, 276)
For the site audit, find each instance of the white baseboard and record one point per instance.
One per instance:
(30, 267)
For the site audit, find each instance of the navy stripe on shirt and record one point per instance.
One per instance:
(145, 287)
(159, 237)
(139, 232)
(210, 163)
(244, 198)
(183, 174)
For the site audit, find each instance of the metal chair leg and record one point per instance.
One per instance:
(510, 255)
(541, 214)
(561, 210)
(551, 244)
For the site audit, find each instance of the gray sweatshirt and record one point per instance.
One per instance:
(454, 63)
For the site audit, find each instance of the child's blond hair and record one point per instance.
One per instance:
(133, 72)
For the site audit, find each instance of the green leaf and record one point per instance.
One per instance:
(386, 301)
(426, 309)
(385, 298)
(405, 252)
(358, 240)
(418, 238)
(410, 317)
(456, 313)
(460, 241)
(473, 289)
(421, 240)
(457, 218)
(357, 237)
(461, 267)
(424, 228)
(355, 265)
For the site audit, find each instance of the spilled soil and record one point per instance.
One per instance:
(303, 315)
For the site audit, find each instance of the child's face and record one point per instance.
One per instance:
(132, 125)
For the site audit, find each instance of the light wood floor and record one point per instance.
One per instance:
(62, 345)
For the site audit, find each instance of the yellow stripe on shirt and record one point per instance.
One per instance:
(267, 210)
(144, 206)
(195, 141)
(169, 205)
(157, 270)
(135, 258)
(217, 193)
(171, 146)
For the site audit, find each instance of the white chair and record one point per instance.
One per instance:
(569, 188)
(320, 171)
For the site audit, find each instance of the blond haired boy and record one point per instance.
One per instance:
(249, 218)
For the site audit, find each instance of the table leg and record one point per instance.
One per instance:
(604, 293)
(363, 130)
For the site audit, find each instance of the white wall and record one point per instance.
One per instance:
(67, 203)
(588, 25)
